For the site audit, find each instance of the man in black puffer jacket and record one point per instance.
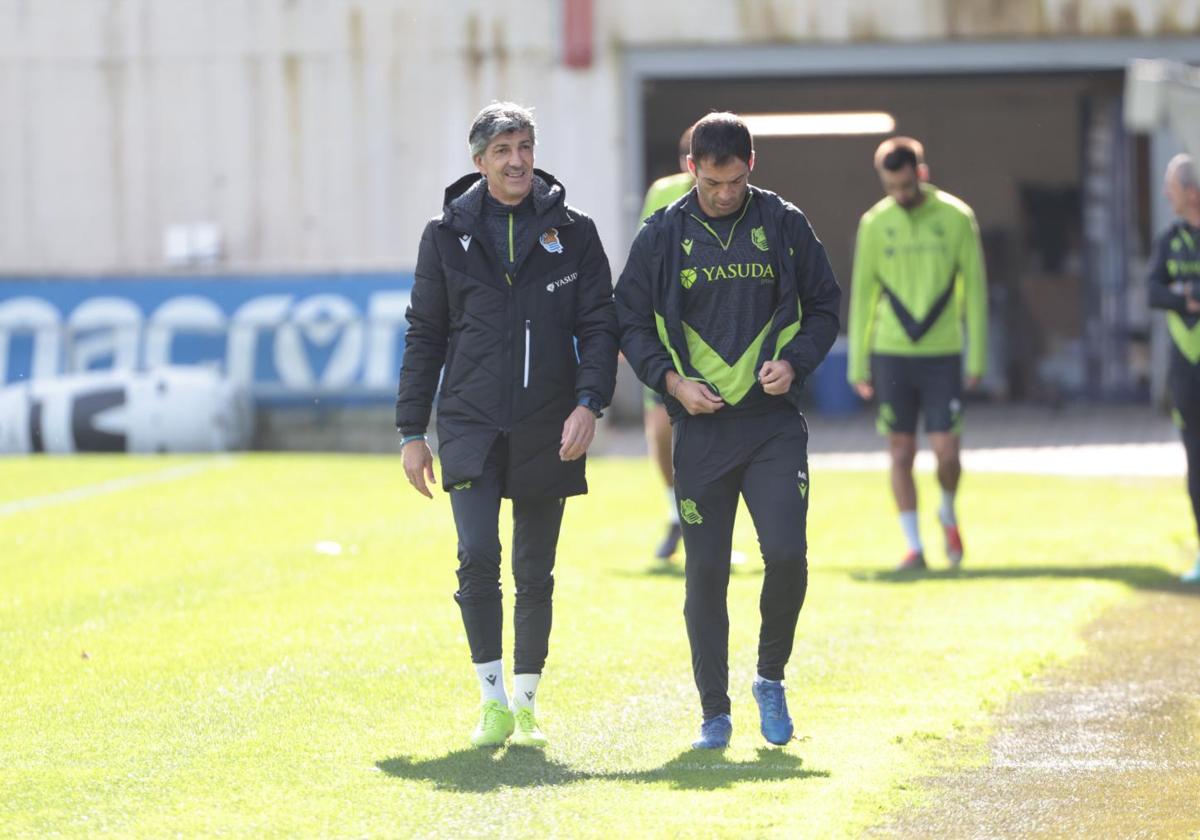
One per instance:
(512, 305)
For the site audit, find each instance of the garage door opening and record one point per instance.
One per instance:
(1059, 189)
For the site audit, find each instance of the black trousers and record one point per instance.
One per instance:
(764, 459)
(1184, 383)
(536, 523)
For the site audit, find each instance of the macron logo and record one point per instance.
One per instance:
(562, 281)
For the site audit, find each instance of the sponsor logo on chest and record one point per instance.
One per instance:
(1178, 267)
(562, 281)
(739, 271)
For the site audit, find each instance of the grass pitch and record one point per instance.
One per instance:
(186, 653)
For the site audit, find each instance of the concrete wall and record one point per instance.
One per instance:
(320, 133)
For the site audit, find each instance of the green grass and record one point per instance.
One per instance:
(179, 660)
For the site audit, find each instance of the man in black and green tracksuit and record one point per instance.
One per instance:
(1175, 286)
(726, 304)
(918, 276)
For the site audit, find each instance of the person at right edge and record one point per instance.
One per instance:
(918, 274)
(1175, 286)
(726, 304)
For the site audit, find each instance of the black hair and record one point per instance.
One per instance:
(899, 158)
(719, 136)
(685, 142)
(898, 152)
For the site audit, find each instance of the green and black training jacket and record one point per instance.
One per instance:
(918, 280)
(1174, 276)
(714, 306)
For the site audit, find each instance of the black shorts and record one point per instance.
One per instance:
(906, 386)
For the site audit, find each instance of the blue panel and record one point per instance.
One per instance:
(330, 338)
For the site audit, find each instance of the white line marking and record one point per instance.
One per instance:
(114, 485)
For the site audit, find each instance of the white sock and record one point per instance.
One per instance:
(908, 522)
(672, 507)
(525, 690)
(759, 678)
(946, 511)
(491, 681)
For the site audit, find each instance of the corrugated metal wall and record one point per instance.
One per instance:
(320, 133)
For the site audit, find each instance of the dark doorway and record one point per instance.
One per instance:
(1024, 151)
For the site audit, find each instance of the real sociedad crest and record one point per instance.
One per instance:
(550, 242)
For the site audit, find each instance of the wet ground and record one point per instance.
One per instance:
(1105, 747)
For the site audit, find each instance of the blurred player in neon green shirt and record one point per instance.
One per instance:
(662, 192)
(918, 276)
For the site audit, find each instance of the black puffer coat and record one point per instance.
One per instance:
(518, 356)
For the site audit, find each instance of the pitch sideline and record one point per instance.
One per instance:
(112, 485)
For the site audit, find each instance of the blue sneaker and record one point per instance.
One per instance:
(714, 733)
(773, 712)
(1192, 576)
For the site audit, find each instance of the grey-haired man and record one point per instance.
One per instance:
(1175, 287)
(513, 299)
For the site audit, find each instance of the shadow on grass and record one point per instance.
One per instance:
(674, 569)
(480, 771)
(659, 569)
(1143, 577)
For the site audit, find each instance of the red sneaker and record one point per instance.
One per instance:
(954, 546)
(914, 561)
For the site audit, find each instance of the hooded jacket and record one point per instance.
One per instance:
(649, 301)
(517, 351)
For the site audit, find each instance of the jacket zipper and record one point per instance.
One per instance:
(527, 341)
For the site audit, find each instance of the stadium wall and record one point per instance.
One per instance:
(304, 143)
(318, 135)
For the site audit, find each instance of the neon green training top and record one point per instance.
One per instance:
(665, 190)
(917, 273)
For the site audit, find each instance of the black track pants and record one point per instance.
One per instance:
(1184, 382)
(764, 459)
(536, 525)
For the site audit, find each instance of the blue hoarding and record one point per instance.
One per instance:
(289, 338)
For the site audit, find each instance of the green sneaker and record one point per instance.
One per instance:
(527, 733)
(495, 725)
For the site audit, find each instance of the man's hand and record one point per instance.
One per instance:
(418, 465)
(694, 396)
(577, 433)
(776, 377)
(865, 389)
(1193, 305)
(973, 382)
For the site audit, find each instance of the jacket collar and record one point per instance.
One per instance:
(463, 203)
